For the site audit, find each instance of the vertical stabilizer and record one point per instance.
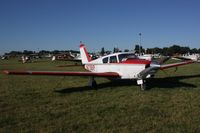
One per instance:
(85, 58)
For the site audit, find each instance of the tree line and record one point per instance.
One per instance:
(169, 51)
(41, 52)
(172, 50)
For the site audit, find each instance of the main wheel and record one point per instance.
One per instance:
(143, 86)
(94, 84)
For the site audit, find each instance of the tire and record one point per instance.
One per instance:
(94, 84)
(143, 87)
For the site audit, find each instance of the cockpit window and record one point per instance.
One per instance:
(105, 60)
(123, 57)
(113, 59)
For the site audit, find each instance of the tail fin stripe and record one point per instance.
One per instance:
(84, 55)
(88, 58)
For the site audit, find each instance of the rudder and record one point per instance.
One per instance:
(85, 58)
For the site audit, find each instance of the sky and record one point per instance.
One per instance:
(61, 24)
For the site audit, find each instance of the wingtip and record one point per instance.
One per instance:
(6, 72)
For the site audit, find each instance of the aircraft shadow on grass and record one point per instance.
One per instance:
(166, 83)
(171, 82)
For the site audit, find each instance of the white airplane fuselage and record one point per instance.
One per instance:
(125, 71)
(127, 65)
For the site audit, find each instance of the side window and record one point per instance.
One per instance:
(121, 57)
(105, 60)
(113, 59)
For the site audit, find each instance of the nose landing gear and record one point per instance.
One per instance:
(142, 84)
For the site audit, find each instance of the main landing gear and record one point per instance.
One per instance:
(142, 84)
(92, 83)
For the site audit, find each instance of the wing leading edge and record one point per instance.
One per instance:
(162, 67)
(62, 73)
(143, 74)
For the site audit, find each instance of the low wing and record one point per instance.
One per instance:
(71, 65)
(62, 73)
(143, 74)
(162, 67)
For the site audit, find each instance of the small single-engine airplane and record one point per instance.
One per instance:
(77, 57)
(194, 57)
(123, 65)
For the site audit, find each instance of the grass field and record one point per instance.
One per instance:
(66, 104)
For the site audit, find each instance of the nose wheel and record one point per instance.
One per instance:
(142, 84)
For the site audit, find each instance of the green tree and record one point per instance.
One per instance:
(115, 50)
(102, 51)
(193, 51)
(126, 50)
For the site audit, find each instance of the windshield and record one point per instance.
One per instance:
(123, 57)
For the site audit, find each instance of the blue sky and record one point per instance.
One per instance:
(62, 24)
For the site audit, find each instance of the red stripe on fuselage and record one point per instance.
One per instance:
(136, 61)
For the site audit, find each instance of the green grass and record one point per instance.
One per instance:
(66, 104)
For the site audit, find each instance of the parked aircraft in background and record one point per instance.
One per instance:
(4, 57)
(146, 57)
(62, 57)
(76, 57)
(29, 58)
(194, 57)
(122, 65)
(67, 57)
